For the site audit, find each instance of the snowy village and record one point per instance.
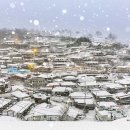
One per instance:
(60, 78)
(65, 61)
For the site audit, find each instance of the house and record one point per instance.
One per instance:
(46, 112)
(68, 84)
(47, 90)
(125, 82)
(63, 91)
(102, 77)
(106, 105)
(4, 87)
(86, 104)
(4, 104)
(18, 88)
(123, 69)
(73, 115)
(113, 87)
(122, 98)
(80, 95)
(19, 109)
(20, 95)
(36, 82)
(109, 115)
(82, 100)
(89, 85)
(70, 78)
(53, 84)
(102, 95)
(41, 98)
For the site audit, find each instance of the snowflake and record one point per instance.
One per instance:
(127, 9)
(85, 4)
(79, 6)
(36, 22)
(13, 32)
(30, 21)
(82, 18)
(22, 4)
(12, 5)
(64, 11)
(108, 29)
(56, 26)
(54, 5)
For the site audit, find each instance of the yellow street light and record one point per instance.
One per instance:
(35, 50)
(31, 66)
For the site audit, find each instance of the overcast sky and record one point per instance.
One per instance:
(84, 15)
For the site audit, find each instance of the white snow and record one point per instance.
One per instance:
(45, 109)
(3, 102)
(62, 89)
(36, 22)
(13, 32)
(108, 29)
(82, 18)
(12, 5)
(21, 3)
(8, 118)
(64, 11)
(19, 94)
(20, 106)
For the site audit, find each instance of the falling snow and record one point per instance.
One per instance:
(64, 11)
(13, 32)
(12, 5)
(108, 29)
(82, 18)
(22, 4)
(36, 22)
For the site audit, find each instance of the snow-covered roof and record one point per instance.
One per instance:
(80, 95)
(122, 94)
(104, 113)
(107, 104)
(39, 95)
(20, 106)
(67, 83)
(45, 109)
(53, 84)
(86, 101)
(3, 102)
(62, 89)
(125, 81)
(72, 112)
(18, 87)
(113, 85)
(70, 78)
(102, 93)
(19, 94)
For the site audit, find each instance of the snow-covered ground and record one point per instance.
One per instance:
(8, 118)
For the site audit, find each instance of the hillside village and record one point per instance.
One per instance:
(49, 78)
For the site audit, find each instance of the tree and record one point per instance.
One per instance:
(79, 41)
(112, 37)
(98, 33)
(83, 39)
